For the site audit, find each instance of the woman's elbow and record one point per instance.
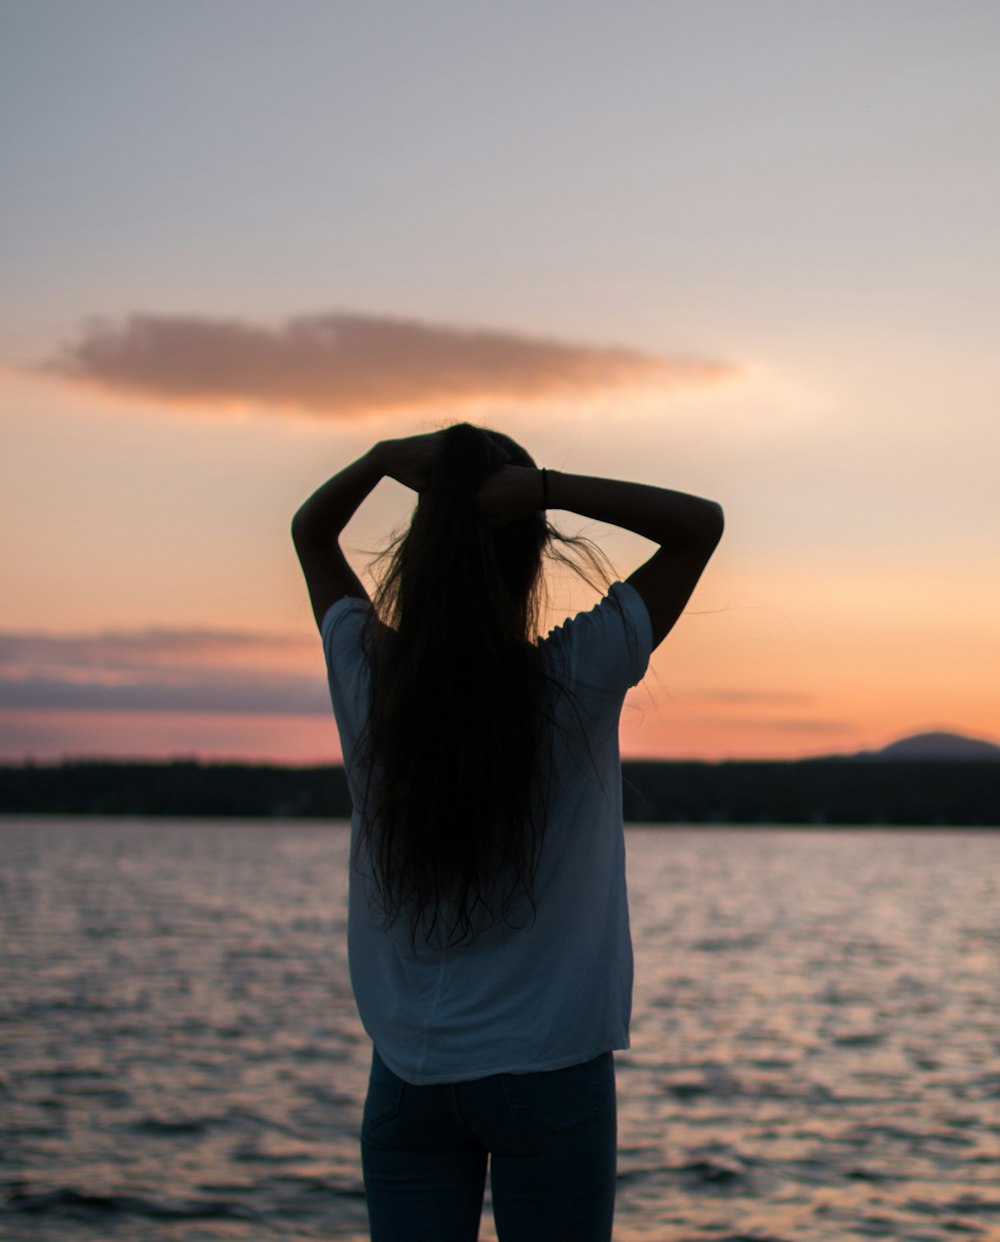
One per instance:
(301, 533)
(714, 522)
(296, 526)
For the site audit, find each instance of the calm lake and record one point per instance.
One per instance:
(815, 1041)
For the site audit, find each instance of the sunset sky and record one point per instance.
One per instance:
(746, 249)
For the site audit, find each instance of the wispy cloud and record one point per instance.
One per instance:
(118, 650)
(162, 671)
(256, 695)
(343, 365)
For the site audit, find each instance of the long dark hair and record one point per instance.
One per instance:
(457, 742)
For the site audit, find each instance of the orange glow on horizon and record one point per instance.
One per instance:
(44, 736)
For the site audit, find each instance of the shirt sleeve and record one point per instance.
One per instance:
(341, 626)
(607, 649)
(347, 667)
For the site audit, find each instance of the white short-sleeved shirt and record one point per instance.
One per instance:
(559, 990)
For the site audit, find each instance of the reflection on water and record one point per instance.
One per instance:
(816, 1053)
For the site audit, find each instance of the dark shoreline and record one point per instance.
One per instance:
(842, 792)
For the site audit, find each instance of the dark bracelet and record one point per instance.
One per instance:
(545, 488)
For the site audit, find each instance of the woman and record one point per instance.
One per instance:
(488, 921)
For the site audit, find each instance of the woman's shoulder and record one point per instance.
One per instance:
(347, 627)
(615, 632)
(620, 607)
(346, 608)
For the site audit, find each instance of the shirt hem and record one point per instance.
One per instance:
(516, 1067)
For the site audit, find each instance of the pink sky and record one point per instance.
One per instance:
(749, 258)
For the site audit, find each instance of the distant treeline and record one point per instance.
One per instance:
(808, 791)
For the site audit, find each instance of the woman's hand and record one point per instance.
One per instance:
(408, 460)
(510, 493)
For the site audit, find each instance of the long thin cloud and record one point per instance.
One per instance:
(161, 670)
(344, 366)
(118, 651)
(257, 695)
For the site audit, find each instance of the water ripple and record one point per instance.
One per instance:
(815, 1054)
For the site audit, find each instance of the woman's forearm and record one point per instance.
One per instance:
(324, 515)
(328, 510)
(657, 513)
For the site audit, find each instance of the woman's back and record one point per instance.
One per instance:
(549, 984)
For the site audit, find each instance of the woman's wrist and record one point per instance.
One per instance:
(550, 489)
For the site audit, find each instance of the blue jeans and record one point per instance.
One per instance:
(551, 1139)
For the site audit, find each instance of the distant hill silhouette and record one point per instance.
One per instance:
(936, 746)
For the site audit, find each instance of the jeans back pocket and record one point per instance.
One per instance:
(560, 1101)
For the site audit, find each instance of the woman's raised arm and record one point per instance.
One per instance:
(317, 525)
(686, 527)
